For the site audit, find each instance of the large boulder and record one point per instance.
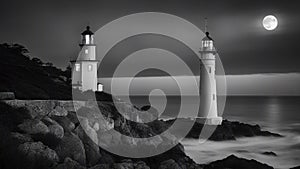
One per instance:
(234, 162)
(37, 152)
(69, 164)
(141, 165)
(21, 138)
(151, 110)
(54, 128)
(106, 158)
(71, 146)
(33, 126)
(101, 166)
(169, 164)
(93, 117)
(36, 108)
(41, 108)
(92, 150)
(58, 110)
(90, 131)
(66, 123)
(125, 164)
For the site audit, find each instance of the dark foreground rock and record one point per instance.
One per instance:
(269, 153)
(228, 130)
(58, 141)
(233, 162)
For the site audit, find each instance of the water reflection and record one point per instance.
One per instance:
(273, 113)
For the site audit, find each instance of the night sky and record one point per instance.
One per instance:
(51, 29)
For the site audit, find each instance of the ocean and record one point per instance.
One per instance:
(276, 114)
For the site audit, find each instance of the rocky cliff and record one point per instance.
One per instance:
(48, 134)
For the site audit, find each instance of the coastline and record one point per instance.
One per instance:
(29, 130)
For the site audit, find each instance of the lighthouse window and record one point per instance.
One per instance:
(87, 39)
(77, 67)
(90, 68)
(214, 97)
(86, 51)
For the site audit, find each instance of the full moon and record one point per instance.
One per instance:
(270, 22)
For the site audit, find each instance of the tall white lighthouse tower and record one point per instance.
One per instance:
(208, 113)
(84, 73)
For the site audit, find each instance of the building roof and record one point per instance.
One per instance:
(207, 37)
(87, 31)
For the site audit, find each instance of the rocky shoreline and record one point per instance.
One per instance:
(32, 138)
(229, 130)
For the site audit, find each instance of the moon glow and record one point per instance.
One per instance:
(270, 22)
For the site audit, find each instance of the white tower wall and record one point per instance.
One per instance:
(208, 112)
(89, 75)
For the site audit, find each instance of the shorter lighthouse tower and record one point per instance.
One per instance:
(208, 113)
(84, 69)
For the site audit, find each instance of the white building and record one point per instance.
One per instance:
(208, 93)
(84, 69)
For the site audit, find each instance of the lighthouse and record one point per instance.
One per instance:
(84, 69)
(208, 113)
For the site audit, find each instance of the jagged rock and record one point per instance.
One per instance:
(169, 164)
(269, 153)
(36, 151)
(58, 111)
(124, 165)
(227, 130)
(143, 115)
(72, 116)
(109, 138)
(71, 146)
(41, 108)
(187, 163)
(21, 138)
(101, 166)
(36, 108)
(106, 158)
(63, 121)
(48, 121)
(92, 118)
(54, 127)
(91, 148)
(88, 129)
(152, 110)
(33, 126)
(234, 162)
(69, 164)
(56, 130)
(141, 165)
(145, 108)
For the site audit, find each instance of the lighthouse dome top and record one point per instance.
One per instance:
(207, 43)
(87, 31)
(207, 37)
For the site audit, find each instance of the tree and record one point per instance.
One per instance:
(68, 74)
(37, 61)
(49, 64)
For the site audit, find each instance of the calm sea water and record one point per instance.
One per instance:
(276, 114)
